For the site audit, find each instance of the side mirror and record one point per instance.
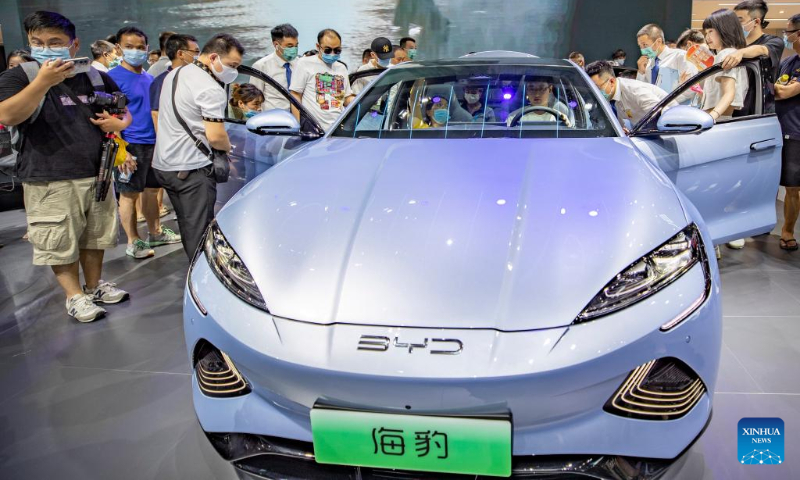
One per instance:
(684, 119)
(274, 122)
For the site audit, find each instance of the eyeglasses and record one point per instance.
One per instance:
(791, 32)
(54, 44)
(328, 50)
(193, 52)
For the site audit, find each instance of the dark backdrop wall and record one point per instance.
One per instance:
(444, 28)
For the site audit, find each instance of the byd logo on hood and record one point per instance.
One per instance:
(761, 441)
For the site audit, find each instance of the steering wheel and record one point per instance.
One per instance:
(560, 116)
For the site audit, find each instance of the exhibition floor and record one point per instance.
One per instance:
(112, 399)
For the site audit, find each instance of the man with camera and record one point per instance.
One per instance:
(192, 144)
(59, 161)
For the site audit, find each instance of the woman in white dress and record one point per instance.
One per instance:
(725, 91)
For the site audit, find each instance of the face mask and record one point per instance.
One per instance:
(745, 30)
(786, 43)
(114, 63)
(134, 58)
(289, 53)
(605, 94)
(472, 98)
(412, 52)
(43, 54)
(251, 113)
(330, 58)
(385, 63)
(227, 75)
(649, 52)
(441, 115)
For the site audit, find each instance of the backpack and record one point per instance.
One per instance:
(11, 139)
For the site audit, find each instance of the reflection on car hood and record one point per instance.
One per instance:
(486, 233)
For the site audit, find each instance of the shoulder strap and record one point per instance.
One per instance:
(97, 80)
(31, 69)
(197, 142)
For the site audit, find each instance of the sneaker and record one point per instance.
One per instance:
(106, 292)
(736, 244)
(166, 237)
(83, 309)
(139, 249)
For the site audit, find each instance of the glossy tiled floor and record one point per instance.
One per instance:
(112, 400)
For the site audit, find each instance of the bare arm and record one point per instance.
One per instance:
(735, 58)
(295, 111)
(217, 136)
(783, 92)
(348, 100)
(728, 86)
(21, 106)
(154, 114)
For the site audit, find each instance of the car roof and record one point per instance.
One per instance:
(495, 57)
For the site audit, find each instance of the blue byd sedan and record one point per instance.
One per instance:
(431, 289)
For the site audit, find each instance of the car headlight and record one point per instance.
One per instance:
(230, 269)
(649, 275)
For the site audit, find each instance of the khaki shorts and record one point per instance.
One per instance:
(64, 218)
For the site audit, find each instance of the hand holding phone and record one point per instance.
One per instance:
(82, 64)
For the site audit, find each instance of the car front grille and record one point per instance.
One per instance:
(663, 389)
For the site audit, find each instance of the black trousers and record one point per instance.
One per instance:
(193, 198)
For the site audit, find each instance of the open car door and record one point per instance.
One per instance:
(729, 170)
(256, 151)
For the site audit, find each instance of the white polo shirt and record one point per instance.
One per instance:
(199, 98)
(323, 88)
(273, 65)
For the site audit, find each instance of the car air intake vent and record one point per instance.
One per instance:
(663, 389)
(216, 374)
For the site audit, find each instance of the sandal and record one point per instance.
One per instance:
(790, 245)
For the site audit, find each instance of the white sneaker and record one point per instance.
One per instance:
(736, 244)
(81, 307)
(106, 292)
(139, 249)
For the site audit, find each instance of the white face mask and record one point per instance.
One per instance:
(227, 75)
(472, 98)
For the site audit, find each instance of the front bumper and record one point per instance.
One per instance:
(553, 382)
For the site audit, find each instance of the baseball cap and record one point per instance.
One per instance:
(382, 48)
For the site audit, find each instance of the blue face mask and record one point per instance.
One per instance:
(649, 52)
(289, 53)
(385, 63)
(441, 115)
(43, 54)
(786, 43)
(330, 58)
(251, 113)
(133, 57)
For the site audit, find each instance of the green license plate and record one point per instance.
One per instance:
(473, 446)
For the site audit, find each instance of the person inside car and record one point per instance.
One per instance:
(539, 92)
(434, 112)
(474, 103)
(246, 101)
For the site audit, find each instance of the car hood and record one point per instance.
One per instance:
(505, 234)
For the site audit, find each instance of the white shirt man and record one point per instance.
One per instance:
(274, 66)
(670, 65)
(323, 88)
(630, 99)
(279, 65)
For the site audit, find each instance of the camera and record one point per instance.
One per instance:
(113, 103)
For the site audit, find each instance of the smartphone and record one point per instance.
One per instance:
(82, 64)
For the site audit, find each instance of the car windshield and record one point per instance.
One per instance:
(478, 101)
